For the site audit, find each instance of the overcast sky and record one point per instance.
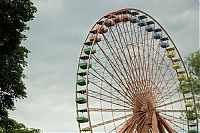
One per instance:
(55, 39)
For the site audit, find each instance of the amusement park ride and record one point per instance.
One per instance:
(128, 78)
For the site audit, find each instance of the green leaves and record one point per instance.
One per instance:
(13, 17)
(8, 125)
(194, 63)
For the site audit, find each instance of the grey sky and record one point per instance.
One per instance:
(55, 38)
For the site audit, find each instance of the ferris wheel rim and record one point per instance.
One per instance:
(93, 47)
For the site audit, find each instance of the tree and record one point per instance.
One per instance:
(8, 125)
(193, 81)
(13, 17)
(193, 66)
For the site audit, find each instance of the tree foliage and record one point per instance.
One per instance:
(8, 125)
(13, 17)
(14, 14)
(193, 81)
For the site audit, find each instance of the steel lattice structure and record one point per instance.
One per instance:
(128, 78)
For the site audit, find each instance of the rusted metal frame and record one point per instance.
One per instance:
(123, 53)
(145, 127)
(113, 78)
(111, 97)
(168, 66)
(165, 124)
(105, 81)
(173, 122)
(110, 110)
(109, 121)
(174, 117)
(119, 69)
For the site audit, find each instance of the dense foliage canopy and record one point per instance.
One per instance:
(13, 17)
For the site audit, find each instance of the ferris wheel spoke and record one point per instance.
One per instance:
(124, 93)
(171, 77)
(106, 82)
(110, 110)
(112, 94)
(143, 39)
(135, 61)
(184, 121)
(129, 52)
(172, 102)
(110, 121)
(115, 129)
(112, 99)
(108, 101)
(119, 43)
(168, 91)
(118, 56)
(165, 124)
(178, 111)
(173, 122)
(136, 57)
(129, 55)
(117, 80)
(168, 94)
(131, 123)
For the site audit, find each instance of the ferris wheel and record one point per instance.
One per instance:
(128, 78)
